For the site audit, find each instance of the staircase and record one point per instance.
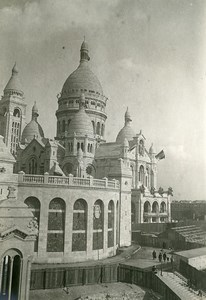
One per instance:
(178, 284)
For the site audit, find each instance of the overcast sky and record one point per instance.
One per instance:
(149, 55)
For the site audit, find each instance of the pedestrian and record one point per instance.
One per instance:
(160, 257)
(154, 255)
(164, 256)
(200, 293)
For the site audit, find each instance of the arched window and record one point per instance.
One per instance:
(147, 207)
(98, 128)
(82, 146)
(79, 229)
(91, 148)
(68, 169)
(162, 207)
(155, 207)
(16, 113)
(133, 213)
(33, 166)
(147, 178)
(141, 174)
(110, 240)
(34, 205)
(56, 226)
(133, 175)
(63, 126)
(93, 124)
(88, 148)
(141, 147)
(98, 225)
(102, 130)
(58, 127)
(68, 122)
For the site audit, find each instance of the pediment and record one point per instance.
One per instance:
(14, 232)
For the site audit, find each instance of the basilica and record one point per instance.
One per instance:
(75, 197)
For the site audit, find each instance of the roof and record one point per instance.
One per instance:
(82, 78)
(14, 83)
(108, 150)
(192, 253)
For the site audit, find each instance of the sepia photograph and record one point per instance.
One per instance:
(102, 149)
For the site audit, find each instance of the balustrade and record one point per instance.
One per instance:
(71, 181)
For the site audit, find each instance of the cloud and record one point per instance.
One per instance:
(43, 19)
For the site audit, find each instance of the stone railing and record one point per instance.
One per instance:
(70, 180)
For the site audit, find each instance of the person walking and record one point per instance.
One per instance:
(154, 255)
(160, 257)
(164, 256)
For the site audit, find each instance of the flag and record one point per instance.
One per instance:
(160, 155)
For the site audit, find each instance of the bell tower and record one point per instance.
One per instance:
(12, 111)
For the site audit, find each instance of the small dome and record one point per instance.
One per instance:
(81, 124)
(125, 133)
(14, 83)
(31, 130)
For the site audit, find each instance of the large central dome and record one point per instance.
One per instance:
(82, 78)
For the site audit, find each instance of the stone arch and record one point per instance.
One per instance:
(79, 227)
(155, 207)
(110, 239)
(98, 225)
(162, 207)
(56, 222)
(141, 174)
(34, 205)
(11, 264)
(147, 207)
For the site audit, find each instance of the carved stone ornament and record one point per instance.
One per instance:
(33, 225)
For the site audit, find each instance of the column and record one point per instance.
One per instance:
(43, 228)
(68, 228)
(105, 228)
(90, 228)
(115, 221)
(10, 276)
(1, 272)
(20, 278)
(28, 277)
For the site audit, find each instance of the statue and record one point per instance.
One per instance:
(152, 191)
(161, 191)
(142, 189)
(170, 191)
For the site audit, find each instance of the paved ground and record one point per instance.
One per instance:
(116, 291)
